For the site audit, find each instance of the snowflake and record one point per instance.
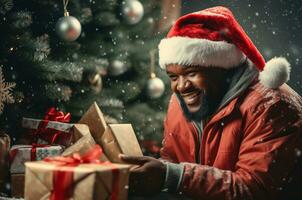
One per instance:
(5, 89)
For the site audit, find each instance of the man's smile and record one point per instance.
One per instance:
(193, 97)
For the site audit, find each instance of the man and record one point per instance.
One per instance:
(233, 127)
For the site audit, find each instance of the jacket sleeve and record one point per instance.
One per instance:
(269, 151)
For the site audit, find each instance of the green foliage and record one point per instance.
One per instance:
(5, 6)
(70, 75)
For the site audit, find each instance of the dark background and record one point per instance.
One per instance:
(274, 27)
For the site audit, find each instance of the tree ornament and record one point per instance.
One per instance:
(117, 67)
(155, 86)
(5, 91)
(96, 82)
(132, 11)
(68, 27)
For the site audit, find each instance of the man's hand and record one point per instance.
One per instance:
(148, 178)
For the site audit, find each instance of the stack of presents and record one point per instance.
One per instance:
(71, 161)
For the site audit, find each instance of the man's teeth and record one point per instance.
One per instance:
(191, 98)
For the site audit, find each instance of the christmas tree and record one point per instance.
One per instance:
(108, 63)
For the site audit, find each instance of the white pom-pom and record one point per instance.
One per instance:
(275, 73)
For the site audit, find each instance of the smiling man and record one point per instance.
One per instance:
(233, 128)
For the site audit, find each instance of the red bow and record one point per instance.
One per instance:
(63, 179)
(51, 135)
(54, 115)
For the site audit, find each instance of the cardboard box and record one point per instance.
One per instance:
(89, 181)
(114, 138)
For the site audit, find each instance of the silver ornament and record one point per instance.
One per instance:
(117, 68)
(68, 28)
(155, 87)
(132, 11)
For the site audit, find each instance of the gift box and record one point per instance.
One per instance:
(48, 132)
(76, 177)
(82, 141)
(114, 138)
(4, 163)
(17, 185)
(19, 154)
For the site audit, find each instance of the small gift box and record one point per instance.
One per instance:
(19, 154)
(114, 138)
(76, 177)
(82, 141)
(52, 132)
(52, 129)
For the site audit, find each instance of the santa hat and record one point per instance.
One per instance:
(213, 38)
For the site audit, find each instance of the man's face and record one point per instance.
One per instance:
(198, 86)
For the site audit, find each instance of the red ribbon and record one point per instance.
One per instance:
(63, 179)
(51, 135)
(33, 154)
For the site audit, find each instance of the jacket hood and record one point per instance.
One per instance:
(240, 81)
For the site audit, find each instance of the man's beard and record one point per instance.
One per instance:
(206, 109)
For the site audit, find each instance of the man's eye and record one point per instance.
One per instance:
(173, 78)
(191, 74)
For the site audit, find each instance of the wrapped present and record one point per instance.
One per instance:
(76, 177)
(52, 129)
(82, 141)
(4, 164)
(114, 138)
(17, 185)
(19, 154)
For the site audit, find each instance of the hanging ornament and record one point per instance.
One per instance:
(155, 86)
(132, 11)
(5, 91)
(96, 82)
(117, 67)
(68, 27)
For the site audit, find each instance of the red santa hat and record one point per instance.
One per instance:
(213, 38)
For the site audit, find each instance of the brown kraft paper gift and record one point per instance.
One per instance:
(90, 181)
(82, 141)
(114, 138)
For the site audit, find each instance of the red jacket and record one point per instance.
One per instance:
(250, 149)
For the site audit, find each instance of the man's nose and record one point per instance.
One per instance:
(182, 84)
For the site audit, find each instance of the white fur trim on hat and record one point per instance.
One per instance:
(193, 51)
(275, 72)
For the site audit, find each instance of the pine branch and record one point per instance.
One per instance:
(33, 49)
(58, 92)
(21, 20)
(57, 71)
(5, 6)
